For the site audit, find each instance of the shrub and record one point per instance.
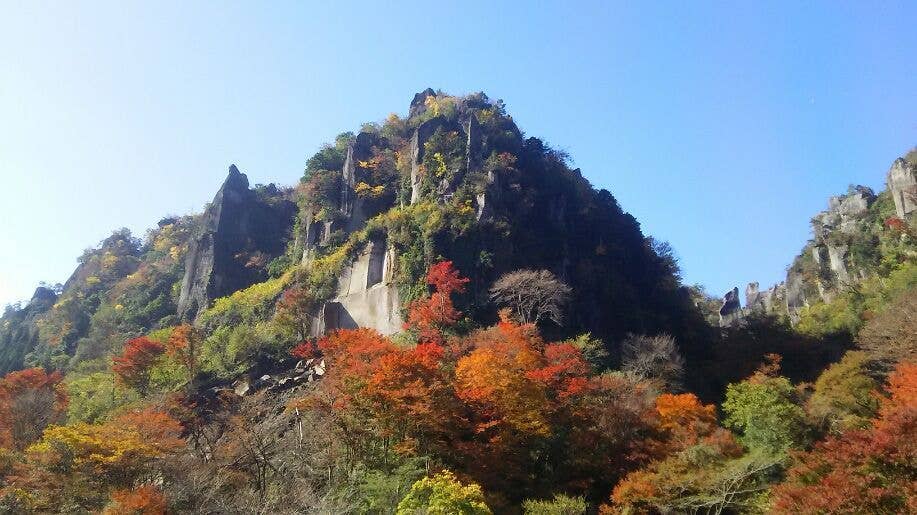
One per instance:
(559, 505)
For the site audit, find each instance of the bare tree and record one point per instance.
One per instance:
(532, 295)
(655, 358)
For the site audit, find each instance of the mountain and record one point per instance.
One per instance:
(444, 315)
(454, 180)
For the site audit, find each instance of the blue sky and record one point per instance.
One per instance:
(723, 128)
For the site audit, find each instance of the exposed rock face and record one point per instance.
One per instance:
(42, 299)
(240, 232)
(471, 132)
(769, 301)
(796, 297)
(419, 102)
(829, 250)
(731, 310)
(352, 213)
(366, 296)
(843, 213)
(902, 184)
(830, 268)
(421, 135)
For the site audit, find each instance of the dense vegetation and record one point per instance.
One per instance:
(550, 360)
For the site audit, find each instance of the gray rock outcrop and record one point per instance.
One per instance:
(829, 249)
(239, 233)
(367, 295)
(731, 309)
(769, 301)
(843, 213)
(902, 184)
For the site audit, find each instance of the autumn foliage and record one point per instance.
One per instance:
(142, 500)
(500, 404)
(184, 346)
(432, 315)
(30, 400)
(133, 365)
(82, 463)
(862, 471)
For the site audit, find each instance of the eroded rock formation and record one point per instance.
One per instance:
(240, 232)
(351, 210)
(367, 295)
(768, 301)
(731, 310)
(902, 184)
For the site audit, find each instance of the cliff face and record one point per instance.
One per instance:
(366, 294)
(240, 232)
(902, 184)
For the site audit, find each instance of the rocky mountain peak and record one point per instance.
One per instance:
(238, 235)
(418, 103)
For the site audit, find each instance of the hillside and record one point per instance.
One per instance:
(442, 306)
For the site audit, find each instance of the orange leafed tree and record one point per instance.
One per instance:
(496, 380)
(133, 366)
(184, 345)
(142, 500)
(432, 315)
(683, 422)
(412, 394)
(30, 400)
(352, 357)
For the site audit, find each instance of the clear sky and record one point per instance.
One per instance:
(723, 128)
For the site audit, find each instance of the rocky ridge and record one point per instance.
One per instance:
(825, 267)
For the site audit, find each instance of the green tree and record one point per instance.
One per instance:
(95, 395)
(843, 397)
(765, 411)
(443, 494)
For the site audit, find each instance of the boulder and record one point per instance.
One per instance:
(241, 388)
